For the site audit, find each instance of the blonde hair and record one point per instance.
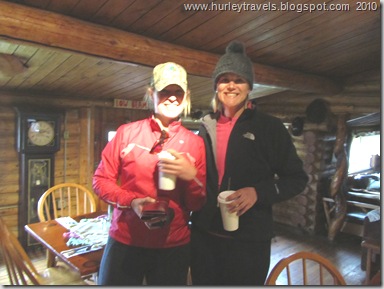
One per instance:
(187, 99)
(216, 103)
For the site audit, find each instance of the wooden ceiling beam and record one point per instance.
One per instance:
(40, 27)
(12, 98)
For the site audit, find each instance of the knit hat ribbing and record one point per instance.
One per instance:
(234, 61)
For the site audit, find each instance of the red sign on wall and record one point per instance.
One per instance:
(133, 104)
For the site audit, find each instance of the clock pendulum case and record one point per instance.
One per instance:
(37, 141)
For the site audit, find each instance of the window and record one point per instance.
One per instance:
(363, 147)
(111, 134)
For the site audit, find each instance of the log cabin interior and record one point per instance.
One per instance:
(85, 65)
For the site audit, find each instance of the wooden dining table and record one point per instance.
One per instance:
(50, 235)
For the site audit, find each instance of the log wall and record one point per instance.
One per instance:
(9, 172)
(305, 211)
(315, 146)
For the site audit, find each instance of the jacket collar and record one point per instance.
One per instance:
(172, 128)
(213, 117)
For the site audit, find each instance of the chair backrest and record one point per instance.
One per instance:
(65, 200)
(305, 268)
(19, 266)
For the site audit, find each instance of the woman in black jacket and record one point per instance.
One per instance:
(253, 154)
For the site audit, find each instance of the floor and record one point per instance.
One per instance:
(344, 252)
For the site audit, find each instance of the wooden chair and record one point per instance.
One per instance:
(21, 270)
(64, 200)
(301, 268)
(373, 248)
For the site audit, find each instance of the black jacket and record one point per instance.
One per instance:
(260, 154)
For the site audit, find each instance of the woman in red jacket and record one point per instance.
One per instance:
(157, 249)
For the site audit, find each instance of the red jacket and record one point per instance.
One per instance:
(126, 160)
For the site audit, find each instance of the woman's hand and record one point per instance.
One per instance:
(138, 203)
(180, 166)
(243, 200)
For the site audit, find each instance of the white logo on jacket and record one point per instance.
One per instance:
(130, 147)
(249, 135)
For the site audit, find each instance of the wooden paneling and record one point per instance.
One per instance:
(9, 174)
(289, 48)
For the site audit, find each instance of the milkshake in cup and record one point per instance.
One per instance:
(230, 220)
(166, 181)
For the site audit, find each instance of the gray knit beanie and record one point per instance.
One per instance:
(234, 61)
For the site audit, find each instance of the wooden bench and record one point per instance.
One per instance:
(356, 213)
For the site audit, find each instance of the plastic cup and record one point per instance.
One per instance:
(167, 182)
(230, 220)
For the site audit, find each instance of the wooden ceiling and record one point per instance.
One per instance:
(101, 50)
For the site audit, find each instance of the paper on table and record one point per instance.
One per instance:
(81, 250)
(89, 232)
(66, 222)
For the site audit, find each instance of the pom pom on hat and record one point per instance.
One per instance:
(234, 61)
(235, 47)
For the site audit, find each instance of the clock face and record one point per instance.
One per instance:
(38, 132)
(41, 133)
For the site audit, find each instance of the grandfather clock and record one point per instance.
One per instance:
(38, 139)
